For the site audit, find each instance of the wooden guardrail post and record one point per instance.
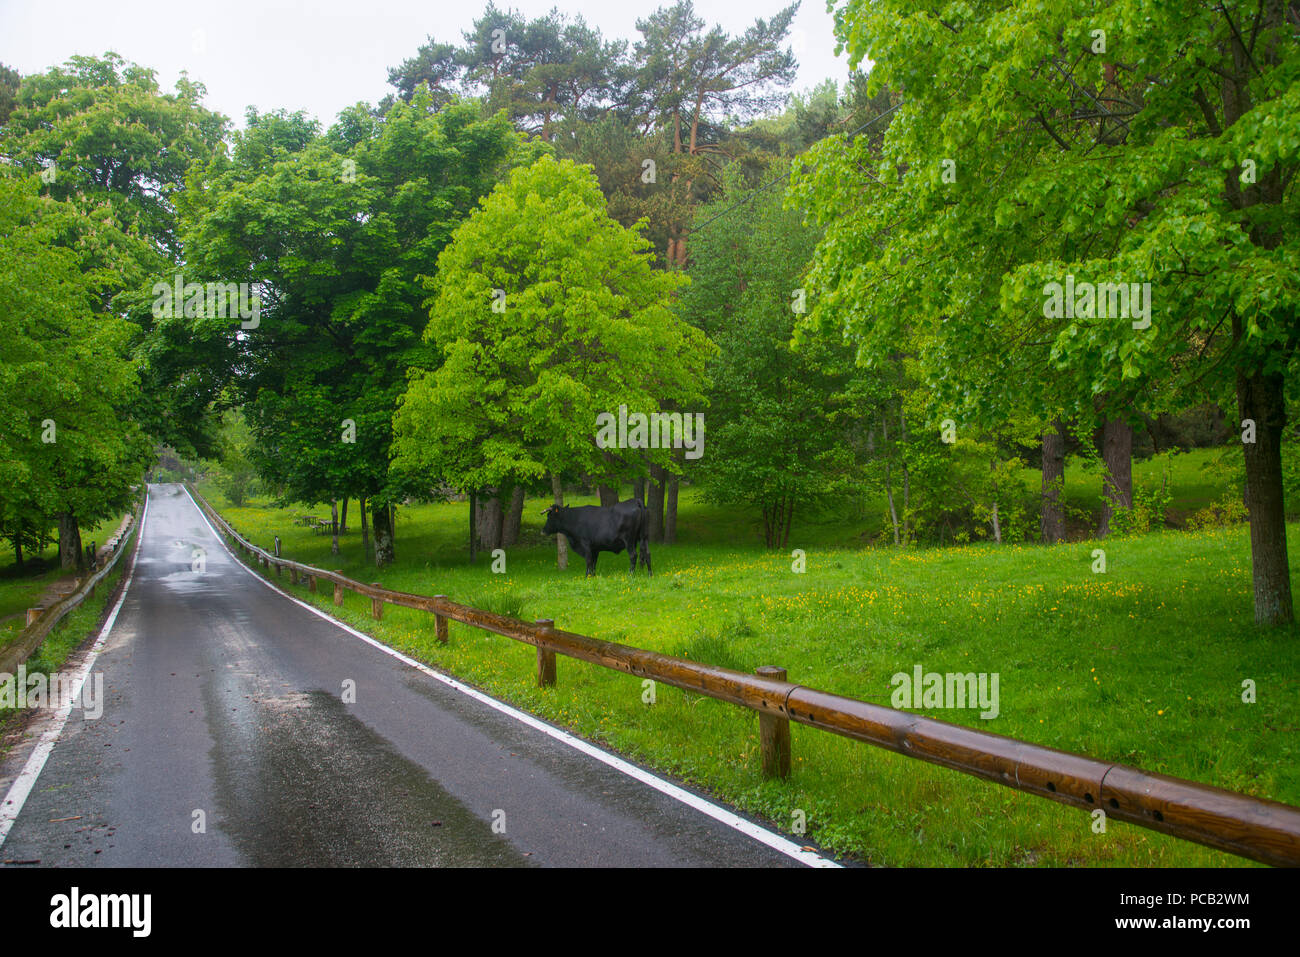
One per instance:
(376, 604)
(545, 659)
(293, 574)
(440, 624)
(774, 733)
(338, 589)
(311, 583)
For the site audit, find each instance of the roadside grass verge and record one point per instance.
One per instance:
(1142, 665)
(20, 588)
(66, 638)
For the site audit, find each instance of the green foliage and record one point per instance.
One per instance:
(585, 326)
(781, 418)
(1291, 471)
(68, 444)
(1150, 507)
(339, 229)
(1230, 510)
(111, 136)
(678, 96)
(1043, 186)
(1030, 159)
(954, 487)
(236, 475)
(108, 141)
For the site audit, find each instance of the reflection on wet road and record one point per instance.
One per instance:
(354, 800)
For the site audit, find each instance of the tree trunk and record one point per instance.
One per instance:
(1262, 399)
(997, 529)
(889, 483)
(638, 489)
(490, 520)
(893, 512)
(343, 517)
(365, 530)
(71, 557)
(473, 525)
(18, 551)
(1117, 456)
(902, 464)
(382, 519)
(514, 517)
(670, 510)
(334, 522)
(1052, 521)
(656, 503)
(561, 543)
(608, 495)
(789, 520)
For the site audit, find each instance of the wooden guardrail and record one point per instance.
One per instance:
(41, 621)
(1256, 828)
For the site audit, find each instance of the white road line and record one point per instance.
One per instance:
(760, 834)
(23, 784)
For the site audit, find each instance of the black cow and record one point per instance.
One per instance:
(592, 529)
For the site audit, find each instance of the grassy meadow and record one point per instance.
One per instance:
(1143, 664)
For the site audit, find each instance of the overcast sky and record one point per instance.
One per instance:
(323, 56)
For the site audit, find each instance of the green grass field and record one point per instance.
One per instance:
(1143, 665)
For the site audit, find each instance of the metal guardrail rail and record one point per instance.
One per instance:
(1255, 828)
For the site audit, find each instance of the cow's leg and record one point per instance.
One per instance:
(645, 556)
(631, 557)
(591, 563)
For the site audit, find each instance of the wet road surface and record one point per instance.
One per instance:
(225, 741)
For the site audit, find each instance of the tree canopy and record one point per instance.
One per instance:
(545, 313)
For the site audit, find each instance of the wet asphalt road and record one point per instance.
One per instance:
(223, 697)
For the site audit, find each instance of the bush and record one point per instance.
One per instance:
(1150, 506)
(237, 485)
(1230, 510)
(954, 488)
